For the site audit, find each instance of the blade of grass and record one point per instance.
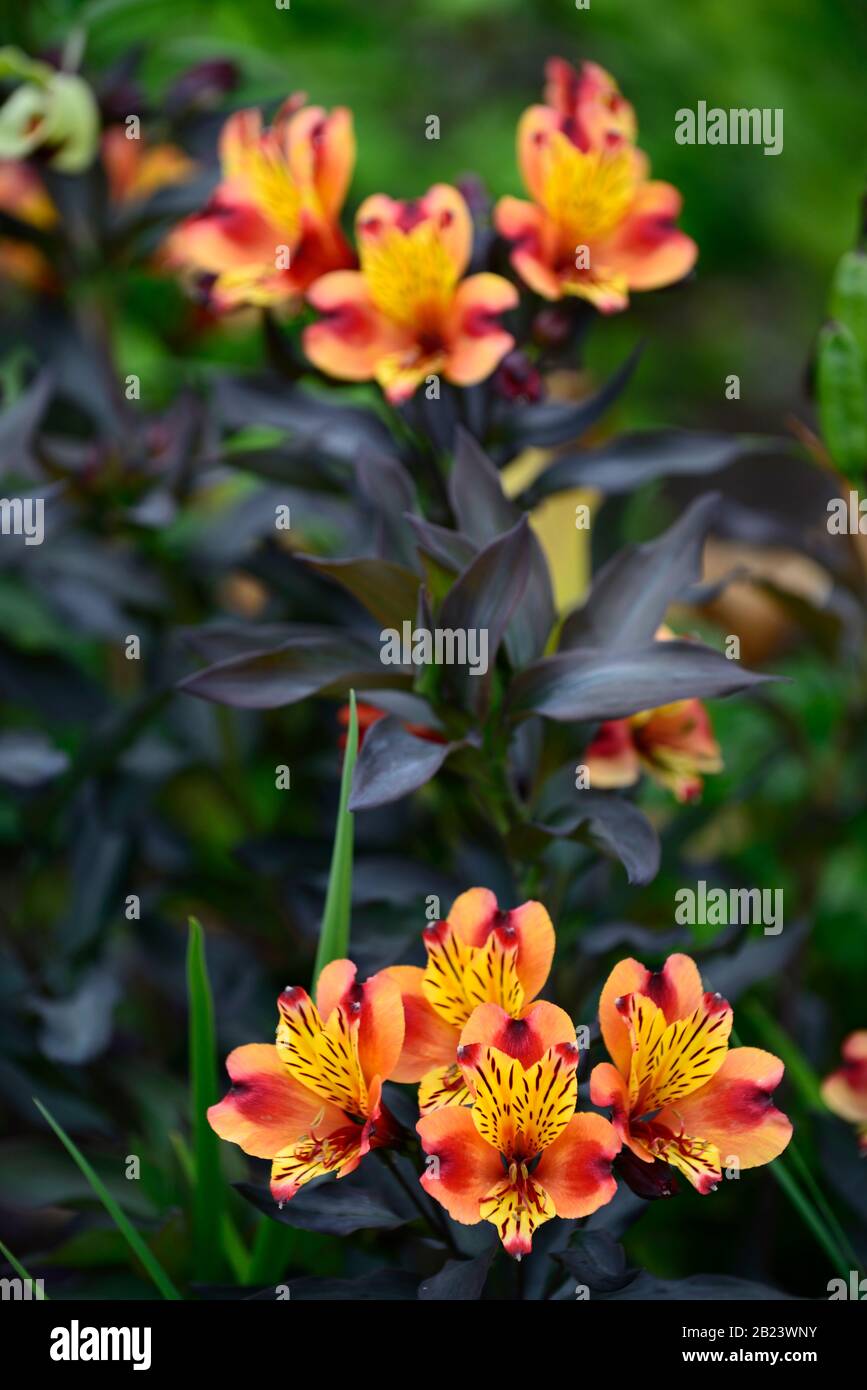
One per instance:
(273, 1248)
(234, 1249)
(22, 1273)
(817, 1221)
(124, 1225)
(209, 1191)
(813, 1186)
(334, 931)
(810, 1216)
(798, 1069)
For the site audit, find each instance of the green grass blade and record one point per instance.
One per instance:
(334, 931)
(209, 1191)
(124, 1225)
(22, 1273)
(810, 1217)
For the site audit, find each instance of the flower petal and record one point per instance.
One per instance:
(475, 914)
(647, 248)
(443, 1086)
(381, 1027)
(528, 1038)
(670, 1061)
(611, 758)
(354, 336)
(429, 1041)
(845, 1090)
(517, 1206)
(676, 989)
(267, 1108)
(576, 1169)
(466, 1166)
(735, 1110)
(477, 342)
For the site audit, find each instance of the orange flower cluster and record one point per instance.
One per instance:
(497, 1070)
(403, 309)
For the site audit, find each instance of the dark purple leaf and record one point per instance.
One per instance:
(392, 763)
(388, 591)
(558, 422)
(632, 592)
(633, 459)
(593, 684)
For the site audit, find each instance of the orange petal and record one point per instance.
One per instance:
(226, 235)
(320, 149)
(845, 1090)
(477, 342)
(676, 989)
(576, 1169)
(266, 1109)
(475, 914)
(381, 1029)
(526, 1039)
(334, 986)
(734, 1111)
(443, 1086)
(611, 757)
(647, 248)
(466, 1167)
(338, 1150)
(447, 209)
(354, 337)
(241, 133)
(428, 1041)
(535, 129)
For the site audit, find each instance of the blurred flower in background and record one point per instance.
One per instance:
(271, 227)
(597, 227)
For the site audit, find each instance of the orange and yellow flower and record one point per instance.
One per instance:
(845, 1090)
(271, 227)
(598, 226)
(408, 313)
(136, 170)
(519, 1154)
(23, 196)
(478, 955)
(676, 1091)
(312, 1103)
(674, 744)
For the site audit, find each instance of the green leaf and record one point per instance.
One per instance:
(842, 398)
(208, 1190)
(334, 931)
(127, 1230)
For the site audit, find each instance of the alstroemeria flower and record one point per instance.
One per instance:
(136, 170)
(676, 1091)
(845, 1090)
(313, 1103)
(597, 227)
(279, 201)
(519, 1154)
(407, 313)
(674, 744)
(478, 955)
(24, 197)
